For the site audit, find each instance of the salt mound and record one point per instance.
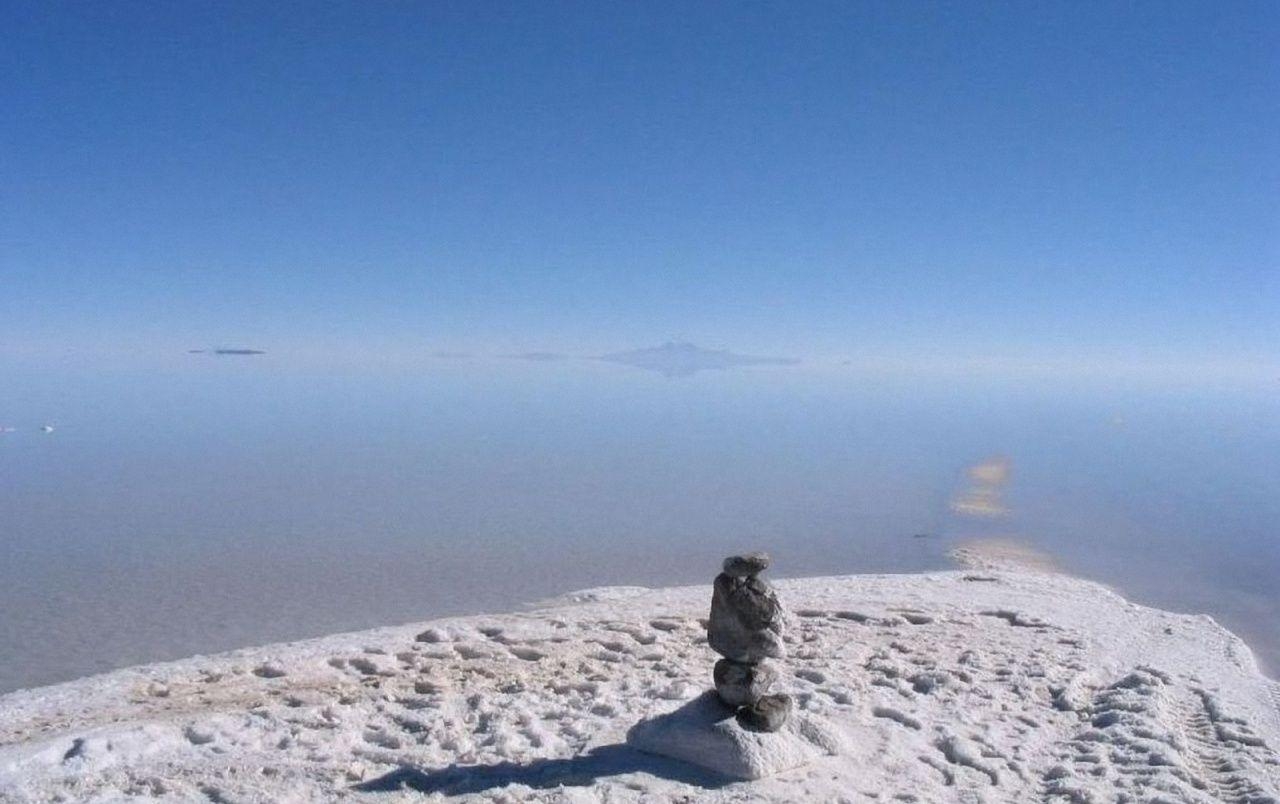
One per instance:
(704, 732)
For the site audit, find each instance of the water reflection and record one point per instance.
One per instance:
(984, 496)
(212, 504)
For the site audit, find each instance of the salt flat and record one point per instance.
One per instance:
(984, 684)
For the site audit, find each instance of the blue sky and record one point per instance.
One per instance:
(1048, 182)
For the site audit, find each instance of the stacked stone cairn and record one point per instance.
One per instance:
(745, 628)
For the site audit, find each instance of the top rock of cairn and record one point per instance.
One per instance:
(746, 565)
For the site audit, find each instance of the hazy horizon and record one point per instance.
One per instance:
(225, 501)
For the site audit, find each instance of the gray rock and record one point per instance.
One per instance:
(770, 713)
(746, 565)
(746, 620)
(740, 684)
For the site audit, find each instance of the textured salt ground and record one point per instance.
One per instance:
(972, 686)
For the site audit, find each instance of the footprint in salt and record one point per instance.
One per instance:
(381, 739)
(526, 653)
(813, 676)
(635, 632)
(897, 716)
(916, 618)
(471, 651)
(613, 645)
(853, 616)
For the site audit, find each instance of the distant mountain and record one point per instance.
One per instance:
(678, 359)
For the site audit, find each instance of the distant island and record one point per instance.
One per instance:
(538, 357)
(681, 359)
(226, 352)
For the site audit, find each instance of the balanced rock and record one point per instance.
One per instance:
(769, 713)
(741, 684)
(746, 620)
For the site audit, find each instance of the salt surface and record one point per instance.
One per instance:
(984, 685)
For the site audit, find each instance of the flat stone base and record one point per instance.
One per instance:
(703, 732)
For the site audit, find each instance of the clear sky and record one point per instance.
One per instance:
(1056, 181)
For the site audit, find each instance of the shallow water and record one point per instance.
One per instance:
(207, 503)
